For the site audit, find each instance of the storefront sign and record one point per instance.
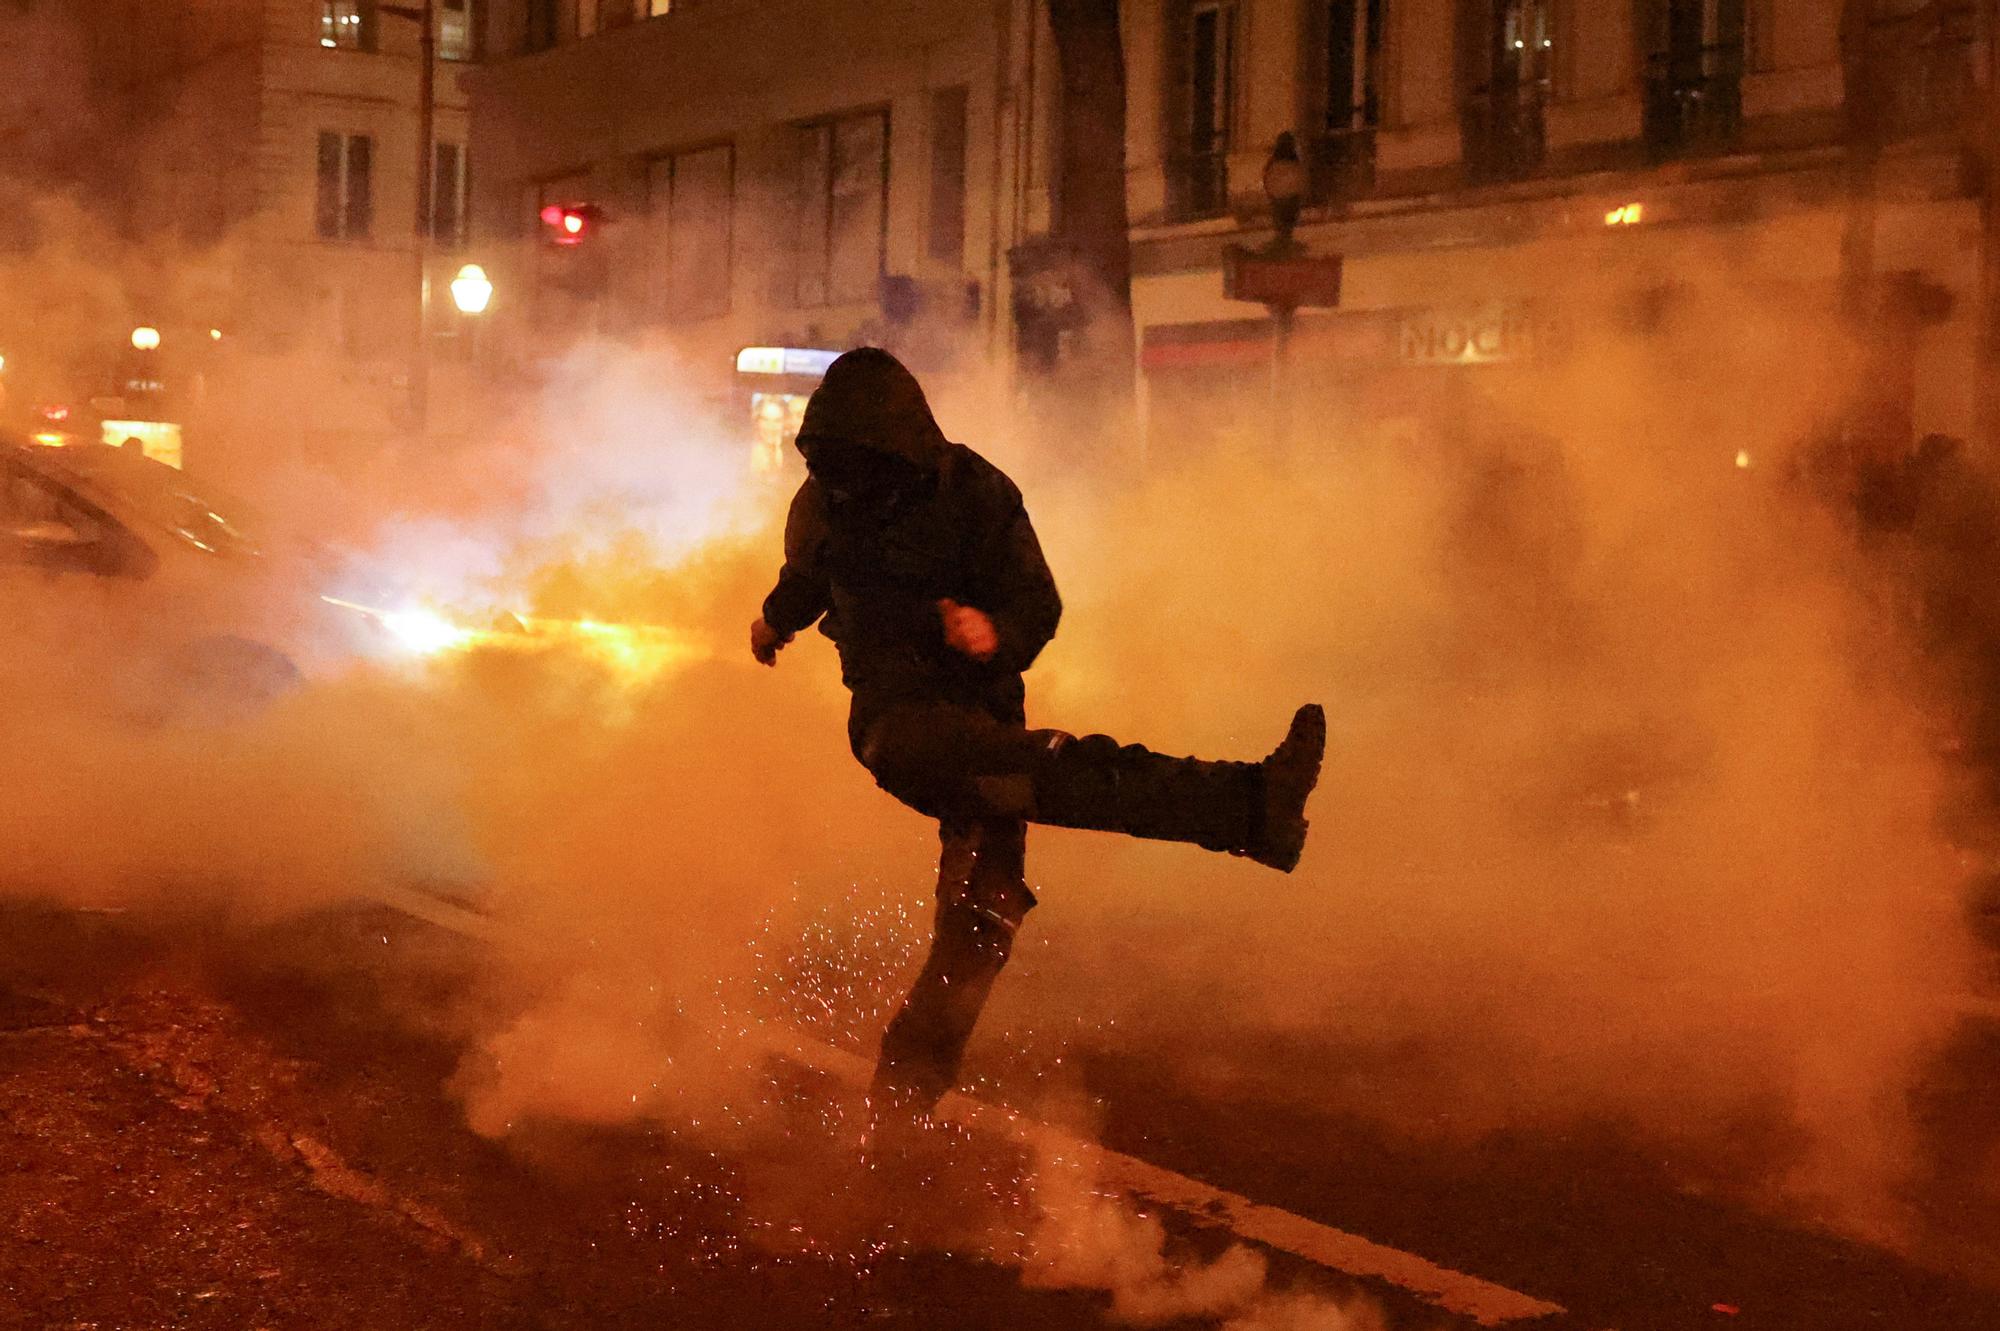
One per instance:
(1290, 281)
(1487, 335)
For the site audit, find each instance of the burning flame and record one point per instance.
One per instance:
(634, 653)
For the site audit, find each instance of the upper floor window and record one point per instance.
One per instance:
(691, 207)
(1205, 78)
(1694, 75)
(945, 242)
(348, 24)
(543, 26)
(448, 195)
(454, 34)
(346, 189)
(1351, 97)
(1503, 121)
(843, 184)
(1913, 67)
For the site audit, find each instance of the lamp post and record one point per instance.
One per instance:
(1285, 191)
(425, 17)
(1280, 275)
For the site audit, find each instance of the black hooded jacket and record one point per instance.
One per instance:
(874, 548)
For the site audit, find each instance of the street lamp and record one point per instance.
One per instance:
(471, 290)
(424, 15)
(145, 339)
(1285, 189)
(1280, 275)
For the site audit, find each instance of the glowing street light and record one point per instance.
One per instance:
(471, 290)
(146, 339)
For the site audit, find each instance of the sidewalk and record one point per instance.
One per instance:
(130, 1201)
(192, 1140)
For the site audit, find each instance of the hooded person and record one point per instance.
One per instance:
(915, 555)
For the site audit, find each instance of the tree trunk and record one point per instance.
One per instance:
(1091, 219)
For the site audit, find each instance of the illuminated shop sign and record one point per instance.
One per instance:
(784, 360)
(1486, 335)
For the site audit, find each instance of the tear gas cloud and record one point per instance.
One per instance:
(1630, 812)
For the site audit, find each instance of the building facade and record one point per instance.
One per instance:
(1492, 171)
(264, 183)
(805, 172)
(802, 173)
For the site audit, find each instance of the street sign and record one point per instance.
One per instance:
(1289, 281)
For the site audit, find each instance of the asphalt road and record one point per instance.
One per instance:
(227, 1130)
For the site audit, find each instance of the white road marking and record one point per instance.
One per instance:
(1477, 1300)
(1337, 1250)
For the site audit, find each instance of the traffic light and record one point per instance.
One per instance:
(571, 223)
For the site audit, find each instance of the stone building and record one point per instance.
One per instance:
(802, 173)
(260, 165)
(1499, 177)
(1502, 177)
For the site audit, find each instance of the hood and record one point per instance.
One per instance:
(868, 398)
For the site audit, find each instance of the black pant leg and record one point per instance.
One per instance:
(982, 898)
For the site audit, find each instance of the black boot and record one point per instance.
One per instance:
(982, 898)
(925, 1043)
(1289, 775)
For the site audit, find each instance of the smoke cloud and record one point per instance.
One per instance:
(1631, 810)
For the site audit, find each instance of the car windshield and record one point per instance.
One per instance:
(159, 496)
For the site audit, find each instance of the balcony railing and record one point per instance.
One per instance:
(1503, 131)
(1343, 156)
(1914, 73)
(1694, 100)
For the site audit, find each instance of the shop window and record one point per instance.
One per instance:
(345, 206)
(1694, 76)
(1503, 117)
(347, 24)
(1198, 168)
(843, 184)
(691, 203)
(1350, 47)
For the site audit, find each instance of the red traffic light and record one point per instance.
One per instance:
(570, 223)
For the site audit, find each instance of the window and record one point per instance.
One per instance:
(1917, 70)
(48, 526)
(1208, 93)
(448, 195)
(1344, 162)
(843, 183)
(946, 239)
(346, 203)
(1503, 125)
(690, 202)
(454, 35)
(542, 27)
(348, 24)
(1694, 76)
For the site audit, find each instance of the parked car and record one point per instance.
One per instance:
(118, 565)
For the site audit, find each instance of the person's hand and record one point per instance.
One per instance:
(765, 642)
(969, 631)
